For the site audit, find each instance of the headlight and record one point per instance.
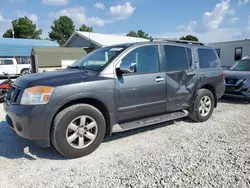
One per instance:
(37, 95)
(246, 81)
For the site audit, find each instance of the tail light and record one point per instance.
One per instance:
(5, 86)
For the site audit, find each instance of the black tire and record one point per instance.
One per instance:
(24, 72)
(60, 125)
(194, 113)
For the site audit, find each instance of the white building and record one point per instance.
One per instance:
(91, 41)
(232, 51)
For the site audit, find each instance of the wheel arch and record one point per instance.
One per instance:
(100, 105)
(211, 88)
(23, 69)
(93, 100)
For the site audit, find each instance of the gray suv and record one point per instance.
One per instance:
(115, 88)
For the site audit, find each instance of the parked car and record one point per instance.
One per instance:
(115, 88)
(238, 79)
(11, 67)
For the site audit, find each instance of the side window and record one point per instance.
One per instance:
(146, 59)
(218, 52)
(176, 58)
(238, 53)
(6, 62)
(208, 58)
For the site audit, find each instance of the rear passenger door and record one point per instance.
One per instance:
(181, 77)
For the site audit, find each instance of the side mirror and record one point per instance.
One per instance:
(127, 67)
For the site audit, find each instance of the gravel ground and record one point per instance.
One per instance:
(175, 154)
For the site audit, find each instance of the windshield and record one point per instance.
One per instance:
(98, 58)
(242, 65)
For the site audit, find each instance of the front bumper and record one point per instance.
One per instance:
(238, 89)
(27, 121)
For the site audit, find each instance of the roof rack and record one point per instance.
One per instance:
(177, 41)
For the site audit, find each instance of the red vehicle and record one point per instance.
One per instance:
(5, 87)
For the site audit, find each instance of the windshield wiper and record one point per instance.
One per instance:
(78, 67)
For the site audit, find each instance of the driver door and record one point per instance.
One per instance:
(142, 93)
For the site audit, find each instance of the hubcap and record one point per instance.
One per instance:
(81, 132)
(205, 106)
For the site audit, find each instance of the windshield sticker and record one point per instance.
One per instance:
(115, 49)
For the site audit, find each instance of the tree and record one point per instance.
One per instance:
(62, 29)
(85, 28)
(189, 37)
(23, 28)
(132, 34)
(139, 33)
(8, 34)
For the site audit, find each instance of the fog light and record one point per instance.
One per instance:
(19, 127)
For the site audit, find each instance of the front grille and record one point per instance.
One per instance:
(231, 81)
(233, 90)
(233, 93)
(14, 94)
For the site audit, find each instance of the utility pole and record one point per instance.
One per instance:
(13, 32)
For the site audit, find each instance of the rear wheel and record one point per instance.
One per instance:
(24, 72)
(203, 106)
(78, 130)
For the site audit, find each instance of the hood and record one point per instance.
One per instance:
(51, 78)
(237, 74)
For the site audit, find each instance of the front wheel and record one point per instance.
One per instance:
(78, 130)
(203, 106)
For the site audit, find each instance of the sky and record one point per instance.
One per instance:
(209, 20)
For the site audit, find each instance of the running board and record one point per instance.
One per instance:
(149, 121)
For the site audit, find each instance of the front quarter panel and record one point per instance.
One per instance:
(96, 87)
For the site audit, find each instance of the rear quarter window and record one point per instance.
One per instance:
(208, 58)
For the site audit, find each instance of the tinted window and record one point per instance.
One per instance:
(176, 58)
(208, 58)
(242, 65)
(146, 59)
(189, 57)
(218, 52)
(6, 62)
(238, 54)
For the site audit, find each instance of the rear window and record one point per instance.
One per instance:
(208, 58)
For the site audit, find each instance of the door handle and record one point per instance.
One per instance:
(159, 79)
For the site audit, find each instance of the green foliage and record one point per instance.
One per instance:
(62, 29)
(190, 38)
(139, 33)
(85, 28)
(23, 28)
(8, 34)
